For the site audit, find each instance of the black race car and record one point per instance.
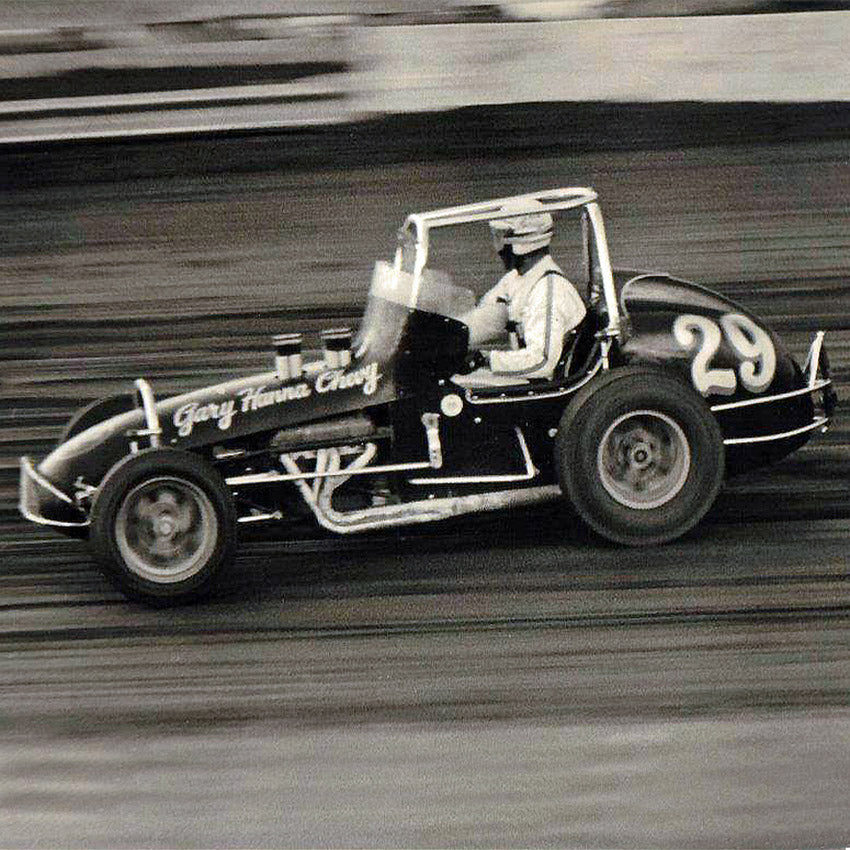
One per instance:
(665, 389)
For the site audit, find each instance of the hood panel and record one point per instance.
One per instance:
(238, 408)
(262, 402)
(398, 351)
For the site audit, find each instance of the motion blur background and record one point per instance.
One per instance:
(179, 179)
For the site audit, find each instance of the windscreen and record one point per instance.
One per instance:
(390, 297)
(391, 285)
(386, 313)
(437, 293)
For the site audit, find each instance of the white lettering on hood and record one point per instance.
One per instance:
(256, 398)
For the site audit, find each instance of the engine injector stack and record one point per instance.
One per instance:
(336, 343)
(288, 364)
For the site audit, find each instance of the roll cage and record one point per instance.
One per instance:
(417, 226)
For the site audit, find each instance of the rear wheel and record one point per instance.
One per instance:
(639, 456)
(163, 526)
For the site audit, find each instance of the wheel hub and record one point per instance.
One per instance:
(643, 459)
(166, 529)
(641, 455)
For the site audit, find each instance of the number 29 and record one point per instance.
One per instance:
(751, 344)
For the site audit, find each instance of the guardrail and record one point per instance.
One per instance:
(795, 57)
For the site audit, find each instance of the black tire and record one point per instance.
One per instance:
(639, 456)
(163, 526)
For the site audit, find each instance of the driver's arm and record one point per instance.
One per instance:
(486, 322)
(488, 319)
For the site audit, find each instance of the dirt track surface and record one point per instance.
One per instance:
(500, 688)
(497, 682)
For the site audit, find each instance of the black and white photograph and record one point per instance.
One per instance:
(423, 424)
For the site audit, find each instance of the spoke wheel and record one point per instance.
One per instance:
(643, 459)
(639, 456)
(163, 526)
(166, 529)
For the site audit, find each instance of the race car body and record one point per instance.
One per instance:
(664, 389)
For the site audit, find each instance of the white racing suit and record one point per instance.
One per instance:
(542, 305)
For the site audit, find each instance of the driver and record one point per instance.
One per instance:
(534, 302)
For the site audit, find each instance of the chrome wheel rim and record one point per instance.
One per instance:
(166, 530)
(643, 459)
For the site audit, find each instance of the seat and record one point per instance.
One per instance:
(583, 345)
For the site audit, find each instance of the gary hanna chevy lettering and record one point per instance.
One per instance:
(188, 415)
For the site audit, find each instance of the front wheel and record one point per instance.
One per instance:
(163, 526)
(640, 456)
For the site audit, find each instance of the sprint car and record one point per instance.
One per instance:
(663, 390)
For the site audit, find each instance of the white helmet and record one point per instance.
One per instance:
(524, 231)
